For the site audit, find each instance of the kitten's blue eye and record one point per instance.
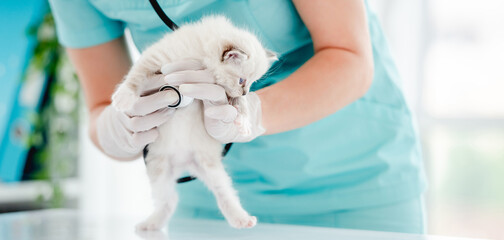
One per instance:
(242, 80)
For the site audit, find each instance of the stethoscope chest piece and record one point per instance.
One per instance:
(168, 87)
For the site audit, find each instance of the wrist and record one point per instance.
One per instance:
(93, 117)
(258, 112)
(263, 111)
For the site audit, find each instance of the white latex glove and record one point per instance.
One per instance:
(124, 135)
(240, 122)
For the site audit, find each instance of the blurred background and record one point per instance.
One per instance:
(449, 53)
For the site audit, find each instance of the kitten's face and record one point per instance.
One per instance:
(242, 66)
(239, 61)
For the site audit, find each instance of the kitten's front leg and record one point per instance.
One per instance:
(127, 94)
(124, 97)
(242, 120)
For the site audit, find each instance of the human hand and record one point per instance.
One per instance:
(123, 134)
(238, 121)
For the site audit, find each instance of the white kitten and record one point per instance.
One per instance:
(230, 54)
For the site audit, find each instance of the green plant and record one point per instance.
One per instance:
(56, 125)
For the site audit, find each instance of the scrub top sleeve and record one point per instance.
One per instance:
(79, 24)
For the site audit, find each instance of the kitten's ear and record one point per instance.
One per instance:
(272, 56)
(234, 55)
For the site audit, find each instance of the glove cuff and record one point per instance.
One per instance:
(257, 108)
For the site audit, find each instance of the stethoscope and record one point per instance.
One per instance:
(161, 14)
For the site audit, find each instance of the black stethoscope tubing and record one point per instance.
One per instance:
(163, 15)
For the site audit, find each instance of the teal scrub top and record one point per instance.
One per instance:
(365, 154)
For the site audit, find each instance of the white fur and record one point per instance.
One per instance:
(184, 145)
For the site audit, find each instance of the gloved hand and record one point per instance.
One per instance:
(124, 135)
(236, 122)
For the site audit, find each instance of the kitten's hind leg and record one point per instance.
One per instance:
(163, 179)
(210, 170)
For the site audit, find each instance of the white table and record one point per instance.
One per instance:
(72, 225)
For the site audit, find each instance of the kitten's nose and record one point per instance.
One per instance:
(244, 92)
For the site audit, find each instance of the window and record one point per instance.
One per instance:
(462, 117)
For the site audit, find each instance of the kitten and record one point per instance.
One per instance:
(236, 59)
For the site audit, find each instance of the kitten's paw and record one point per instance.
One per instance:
(149, 225)
(245, 221)
(244, 126)
(152, 235)
(124, 99)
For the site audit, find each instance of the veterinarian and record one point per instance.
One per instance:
(333, 142)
